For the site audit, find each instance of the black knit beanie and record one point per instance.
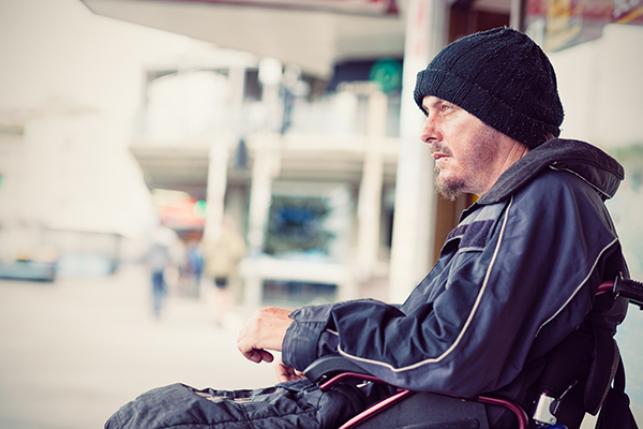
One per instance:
(502, 77)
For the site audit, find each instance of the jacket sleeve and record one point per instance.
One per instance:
(475, 336)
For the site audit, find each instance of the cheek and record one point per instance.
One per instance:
(468, 144)
(456, 138)
(457, 152)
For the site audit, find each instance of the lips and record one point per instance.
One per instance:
(439, 155)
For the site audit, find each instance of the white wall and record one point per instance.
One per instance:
(75, 82)
(601, 87)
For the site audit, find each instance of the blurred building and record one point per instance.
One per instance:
(310, 184)
(72, 202)
(306, 144)
(52, 217)
(353, 138)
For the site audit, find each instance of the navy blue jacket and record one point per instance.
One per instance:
(513, 279)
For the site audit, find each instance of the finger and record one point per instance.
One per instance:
(246, 350)
(285, 373)
(253, 356)
(266, 356)
(258, 355)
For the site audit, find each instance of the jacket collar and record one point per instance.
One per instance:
(593, 165)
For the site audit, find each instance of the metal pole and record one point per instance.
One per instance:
(516, 15)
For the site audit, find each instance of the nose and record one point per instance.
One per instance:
(430, 133)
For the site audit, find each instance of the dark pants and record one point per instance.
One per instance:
(159, 290)
(298, 404)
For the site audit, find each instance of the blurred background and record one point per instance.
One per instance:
(166, 167)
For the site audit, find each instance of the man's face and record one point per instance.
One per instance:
(463, 147)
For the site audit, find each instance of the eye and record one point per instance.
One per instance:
(445, 107)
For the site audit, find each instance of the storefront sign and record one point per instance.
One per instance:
(565, 23)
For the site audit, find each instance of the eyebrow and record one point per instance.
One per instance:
(426, 106)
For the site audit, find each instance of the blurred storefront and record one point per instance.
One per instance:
(313, 204)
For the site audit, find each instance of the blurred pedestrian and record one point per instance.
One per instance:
(222, 257)
(158, 260)
(195, 266)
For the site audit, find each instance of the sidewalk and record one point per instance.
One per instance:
(73, 352)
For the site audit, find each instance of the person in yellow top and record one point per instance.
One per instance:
(222, 257)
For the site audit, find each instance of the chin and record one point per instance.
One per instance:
(449, 187)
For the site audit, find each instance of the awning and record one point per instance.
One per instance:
(313, 34)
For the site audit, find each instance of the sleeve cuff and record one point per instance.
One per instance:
(300, 345)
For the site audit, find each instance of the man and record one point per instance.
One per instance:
(514, 278)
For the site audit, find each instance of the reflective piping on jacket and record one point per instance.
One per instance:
(582, 283)
(466, 324)
(330, 331)
(470, 249)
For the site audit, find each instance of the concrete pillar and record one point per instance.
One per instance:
(217, 182)
(265, 166)
(234, 119)
(413, 228)
(270, 76)
(219, 156)
(369, 203)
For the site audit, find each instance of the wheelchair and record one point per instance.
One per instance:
(563, 376)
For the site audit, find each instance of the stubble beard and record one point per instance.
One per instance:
(482, 153)
(450, 189)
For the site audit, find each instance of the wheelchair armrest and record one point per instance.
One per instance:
(329, 370)
(630, 289)
(330, 365)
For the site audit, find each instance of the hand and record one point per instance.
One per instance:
(285, 373)
(264, 331)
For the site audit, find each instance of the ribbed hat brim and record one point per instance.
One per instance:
(493, 111)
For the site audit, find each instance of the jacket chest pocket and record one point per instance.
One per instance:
(470, 237)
